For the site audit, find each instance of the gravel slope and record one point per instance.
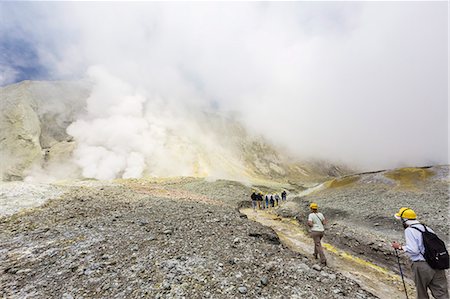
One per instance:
(181, 238)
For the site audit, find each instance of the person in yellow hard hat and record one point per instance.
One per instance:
(425, 277)
(317, 221)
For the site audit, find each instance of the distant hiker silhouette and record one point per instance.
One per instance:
(277, 198)
(283, 195)
(254, 198)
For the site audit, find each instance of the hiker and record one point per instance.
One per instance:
(317, 221)
(425, 277)
(272, 202)
(277, 198)
(260, 200)
(267, 201)
(254, 197)
(283, 195)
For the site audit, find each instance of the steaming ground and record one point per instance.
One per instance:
(183, 237)
(54, 131)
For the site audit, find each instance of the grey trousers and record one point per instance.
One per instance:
(318, 250)
(427, 277)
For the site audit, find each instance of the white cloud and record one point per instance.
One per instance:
(361, 83)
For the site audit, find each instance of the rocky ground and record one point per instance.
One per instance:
(180, 238)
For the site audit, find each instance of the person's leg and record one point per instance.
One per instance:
(439, 285)
(422, 278)
(316, 240)
(318, 250)
(323, 259)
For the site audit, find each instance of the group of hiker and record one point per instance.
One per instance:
(427, 253)
(266, 201)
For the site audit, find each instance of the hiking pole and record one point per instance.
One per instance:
(401, 272)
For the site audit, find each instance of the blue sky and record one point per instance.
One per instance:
(21, 57)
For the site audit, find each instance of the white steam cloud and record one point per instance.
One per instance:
(128, 133)
(363, 84)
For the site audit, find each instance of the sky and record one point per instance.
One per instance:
(359, 83)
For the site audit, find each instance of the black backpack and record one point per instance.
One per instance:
(435, 254)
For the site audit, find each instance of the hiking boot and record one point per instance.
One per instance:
(324, 263)
(315, 256)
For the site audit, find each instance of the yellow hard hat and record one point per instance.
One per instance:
(313, 206)
(406, 213)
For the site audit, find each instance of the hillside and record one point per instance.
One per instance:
(35, 143)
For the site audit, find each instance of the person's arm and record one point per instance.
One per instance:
(310, 222)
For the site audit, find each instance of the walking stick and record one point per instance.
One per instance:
(401, 272)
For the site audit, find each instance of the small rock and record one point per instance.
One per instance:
(337, 291)
(303, 267)
(270, 266)
(166, 286)
(23, 271)
(67, 296)
(168, 232)
(317, 267)
(236, 240)
(142, 222)
(360, 296)
(264, 281)
(242, 290)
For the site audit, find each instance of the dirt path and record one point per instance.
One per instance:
(375, 279)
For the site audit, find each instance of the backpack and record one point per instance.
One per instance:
(435, 254)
